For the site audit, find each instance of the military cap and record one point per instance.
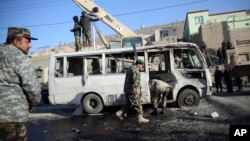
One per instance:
(83, 12)
(75, 18)
(14, 32)
(139, 61)
(95, 9)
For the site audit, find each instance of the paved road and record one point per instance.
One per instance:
(178, 124)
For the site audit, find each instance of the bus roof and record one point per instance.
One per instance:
(119, 50)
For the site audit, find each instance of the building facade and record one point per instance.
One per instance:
(233, 20)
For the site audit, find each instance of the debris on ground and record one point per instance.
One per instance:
(214, 115)
(44, 131)
(76, 130)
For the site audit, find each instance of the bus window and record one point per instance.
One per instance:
(128, 60)
(113, 63)
(94, 65)
(159, 66)
(186, 59)
(75, 66)
(59, 67)
(159, 62)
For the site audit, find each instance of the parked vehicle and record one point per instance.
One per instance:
(95, 79)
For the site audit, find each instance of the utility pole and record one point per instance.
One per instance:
(94, 35)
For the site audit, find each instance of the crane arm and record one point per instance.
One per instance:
(112, 22)
(104, 41)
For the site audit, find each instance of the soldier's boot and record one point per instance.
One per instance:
(120, 114)
(163, 112)
(155, 112)
(141, 119)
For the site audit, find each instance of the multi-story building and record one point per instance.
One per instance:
(194, 20)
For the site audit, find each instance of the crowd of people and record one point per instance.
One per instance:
(82, 29)
(226, 75)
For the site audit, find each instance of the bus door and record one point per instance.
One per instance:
(67, 83)
(160, 68)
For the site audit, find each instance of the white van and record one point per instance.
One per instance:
(95, 79)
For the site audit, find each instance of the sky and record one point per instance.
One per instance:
(51, 20)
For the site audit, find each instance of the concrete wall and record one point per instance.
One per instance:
(214, 34)
(239, 34)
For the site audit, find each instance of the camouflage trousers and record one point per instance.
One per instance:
(133, 103)
(13, 131)
(77, 43)
(159, 96)
(86, 39)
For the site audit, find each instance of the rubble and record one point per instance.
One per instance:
(76, 130)
(214, 115)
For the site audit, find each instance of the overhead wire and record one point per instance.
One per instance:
(30, 6)
(118, 15)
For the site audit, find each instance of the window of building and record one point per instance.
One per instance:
(199, 20)
(247, 24)
(174, 31)
(231, 18)
(164, 33)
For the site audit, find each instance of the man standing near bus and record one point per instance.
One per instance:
(132, 89)
(19, 87)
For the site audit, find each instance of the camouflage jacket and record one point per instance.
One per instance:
(158, 86)
(76, 29)
(19, 87)
(85, 21)
(132, 80)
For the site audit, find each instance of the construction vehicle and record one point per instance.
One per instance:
(238, 59)
(128, 37)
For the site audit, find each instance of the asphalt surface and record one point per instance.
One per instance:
(209, 121)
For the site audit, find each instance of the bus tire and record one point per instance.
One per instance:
(92, 104)
(188, 98)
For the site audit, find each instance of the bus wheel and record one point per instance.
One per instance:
(188, 98)
(92, 104)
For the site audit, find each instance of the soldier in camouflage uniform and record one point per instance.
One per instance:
(85, 23)
(132, 89)
(77, 33)
(159, 91)
(19, 87)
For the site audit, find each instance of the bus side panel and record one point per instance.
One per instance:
(145, 88)
(109, 87)
(68, 90)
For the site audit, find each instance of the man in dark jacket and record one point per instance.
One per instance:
(228, 79)
(77, 33)
(85, 20)
(218, 79)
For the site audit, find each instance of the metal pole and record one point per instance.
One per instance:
(94, 35)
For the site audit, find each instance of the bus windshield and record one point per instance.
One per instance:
(187, 59)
